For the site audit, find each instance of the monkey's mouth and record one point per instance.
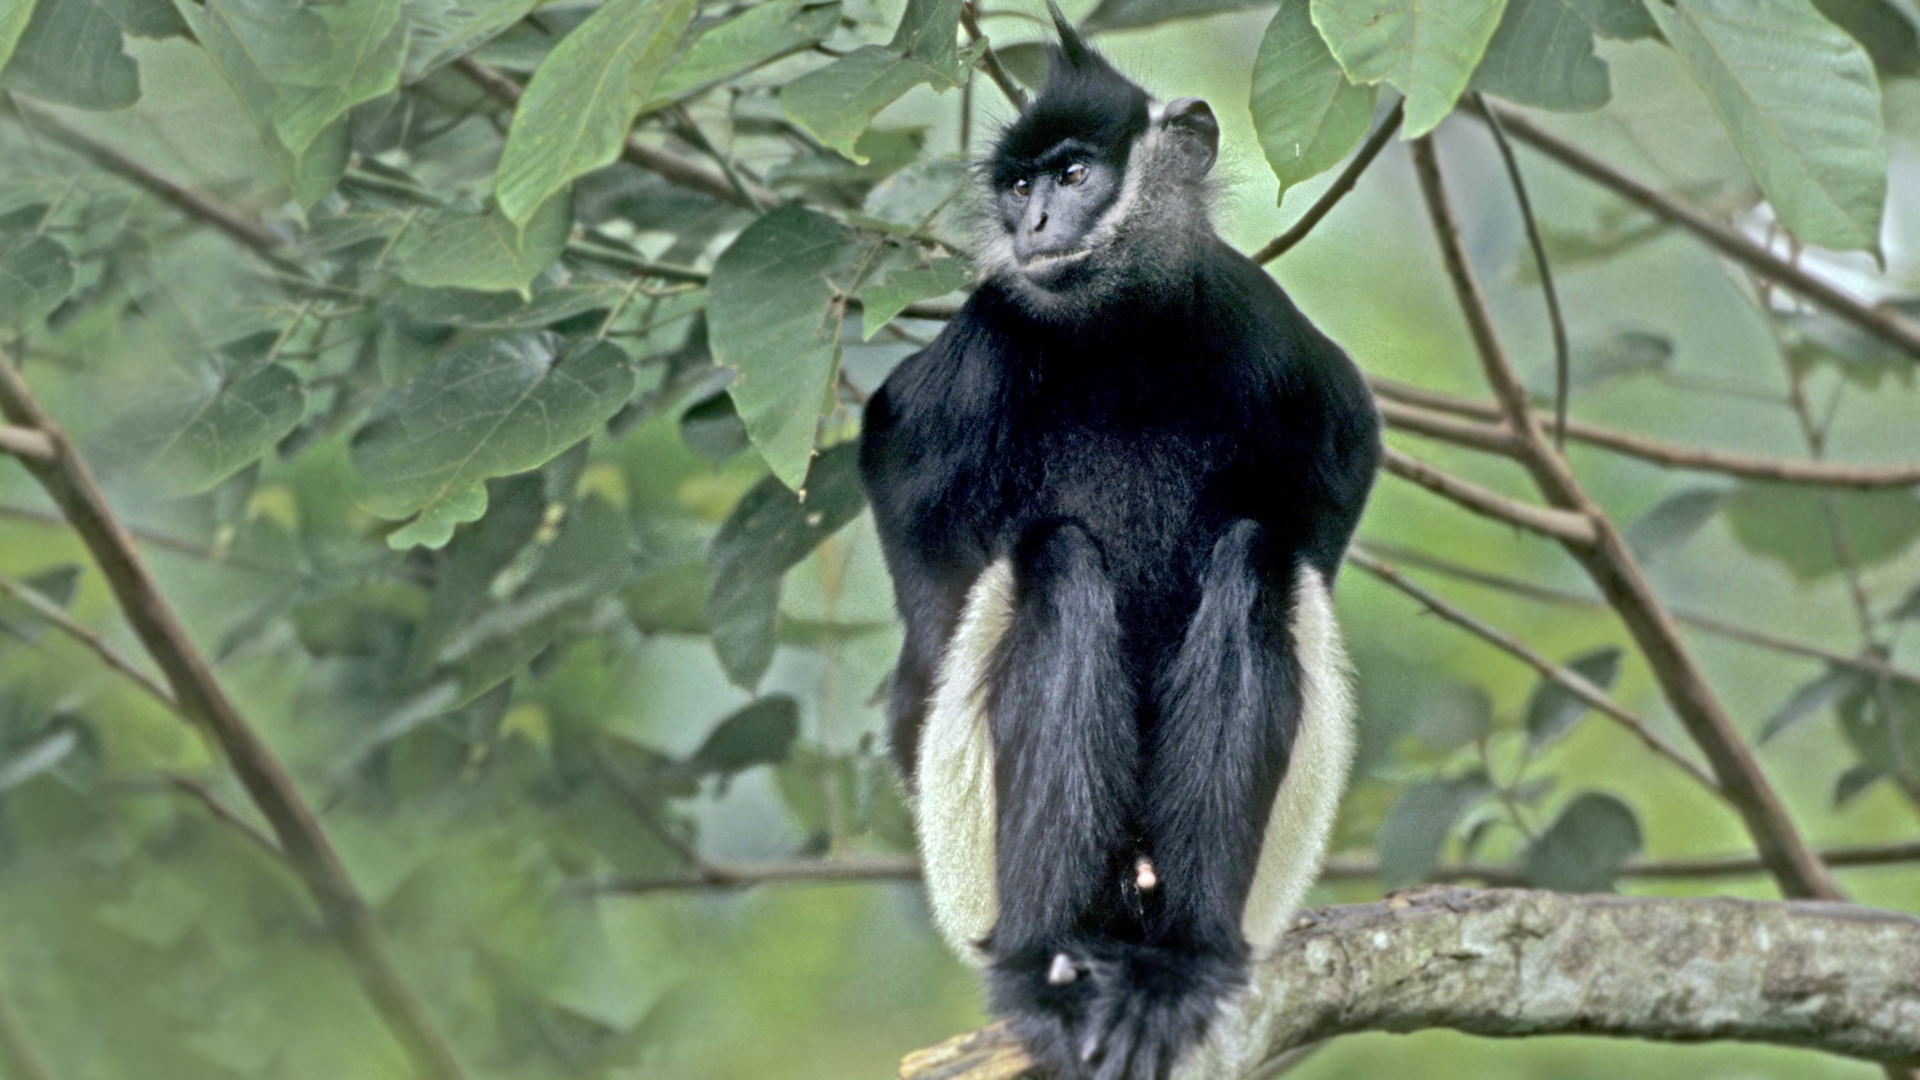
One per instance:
(1054, 270)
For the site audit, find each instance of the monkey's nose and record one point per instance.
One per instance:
(1038, 223)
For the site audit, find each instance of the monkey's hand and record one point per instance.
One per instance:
(1150, 1005)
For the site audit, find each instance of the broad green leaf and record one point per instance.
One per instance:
(487, 409)
(1788, 523)
(1427, 49)
(768, 532)
(574, 115)
(58, 585)
(761, 733)
(1800, 100)
(36, 274)
(1132, 14)
(1812, 699)
(13, 22)
(712, 428)
(516, 505)
(1452, 715)
(747, 40)
(1887, 29)
(837, 102)
(890, 294)
(188, 442)
(146, 18)
(1542, 55)
(1305, 112)
(1881, 719)
(1622, 20)
(1411, 835)
(1817, 337)
(1585, 847)
(1672, 521)
(1852, 783)
(442, 31)
(1553, 710)
(469, 310)
(484, 252)
(769, 318)
(72, 53)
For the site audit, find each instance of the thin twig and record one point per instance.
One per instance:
(795, 871)
(113, 658)
(1554, 524)
(1342, 184)
(21, 1060)
(990, 60)
(1562, 362)
(197, 790)
(692, 133)
(666, 164)
(295, 825)
(1867, 665)
(1656, 452)
(1882, 323)
(24, 443)
(1572, 681)
(1613, 568)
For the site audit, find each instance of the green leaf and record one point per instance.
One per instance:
(1810, 700)
(1800, 100)
(767, 533)
(1553, 710)
(38, 757)
(1542, 55)
(58, 585)
(1132, 14)
(442, 31)
(1426, 48)
(1622, 20)
(1817, 337)
(1885, 28)
(576, 110)
(768, 319)
(1672, 521)
(1881, 719)
(36, 274)
(487, 409)
(72, 53)
(1452, 715)
(747, 40)
(13, 22)
(837, 102)
(1413, 831)
(187, 442)
(146, 18)
(761, 733)
(484, 252)
(890, 294)
(712, 429)
(1585, 847)
(1788, 523)
(1855, 781)
(516, 505)
(1305, 112)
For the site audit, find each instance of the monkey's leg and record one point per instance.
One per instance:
(1228, 709)
(1066, 761)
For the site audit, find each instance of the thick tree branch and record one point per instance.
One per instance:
(1342, 184)
(1613, 568)
(1397, 398)
(1880, 322)
(295, 826)
(1510, 963)
(24, 443)
(1548, 522)
(1572, 681)
(666, 164)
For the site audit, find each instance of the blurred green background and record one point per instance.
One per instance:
(140, 937)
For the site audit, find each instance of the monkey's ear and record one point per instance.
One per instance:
(1077, 51)
(1195, 134)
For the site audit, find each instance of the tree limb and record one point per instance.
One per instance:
(1511, 963)
(295, 826)
(1548, 522)
(990, 60)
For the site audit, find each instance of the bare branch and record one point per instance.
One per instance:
(990, 60)
(1342, 184)
(197, 790)
(1513, 963)
(1572, 681)
(709, 875)
(1439, 426)
(1866, 664)
(24, 443)
(1613, 568)
(666, 164)
(1653, 451)
(1880, 322)
(1553, 524)
(295, 826)
(57, 618)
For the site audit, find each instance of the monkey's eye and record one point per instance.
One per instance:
(1023, 187)
(1073, 174)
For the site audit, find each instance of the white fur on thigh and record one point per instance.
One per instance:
(1302, 818)
(953, 807)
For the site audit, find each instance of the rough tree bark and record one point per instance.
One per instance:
(1511, 962)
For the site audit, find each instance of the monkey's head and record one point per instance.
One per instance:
(1095, 186)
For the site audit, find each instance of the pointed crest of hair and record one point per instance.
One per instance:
(1085, 99)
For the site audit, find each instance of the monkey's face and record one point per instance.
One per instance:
(1049, 214)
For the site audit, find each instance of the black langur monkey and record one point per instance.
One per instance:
(1113, 494)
